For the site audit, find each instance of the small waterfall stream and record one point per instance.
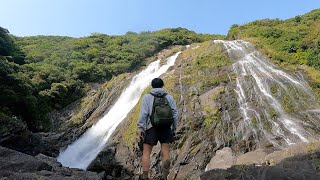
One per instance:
(84, 150)
(275, 106)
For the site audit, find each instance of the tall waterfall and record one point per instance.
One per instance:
(83, 151)
(275, 107)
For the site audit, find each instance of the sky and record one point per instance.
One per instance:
(78, 18)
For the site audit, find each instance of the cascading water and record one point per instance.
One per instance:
(275, 106)
(83, 151)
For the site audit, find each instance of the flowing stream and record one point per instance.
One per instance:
(275, 107)
(84, 150)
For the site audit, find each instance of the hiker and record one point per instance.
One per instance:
(153, 128)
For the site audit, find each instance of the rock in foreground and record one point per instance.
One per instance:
(16, 165)
(301, 161)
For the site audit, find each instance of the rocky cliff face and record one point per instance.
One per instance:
(204, 84)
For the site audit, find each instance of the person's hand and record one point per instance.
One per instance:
(140, 135)
(173, 135)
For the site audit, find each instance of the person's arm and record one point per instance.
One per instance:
(175, 114)
(143, 116)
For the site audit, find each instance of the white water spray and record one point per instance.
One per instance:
(83, 151)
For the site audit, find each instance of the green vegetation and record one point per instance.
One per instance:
(287, 104)
(17, 99)
(274, 88)
(9, 124)
(254, 123)
(289, 43)
(312, 147)
(316, 164)
(214, 115)
(273, 113)
(208, 58)
(213, 112)
(43, 73)
(267, 124)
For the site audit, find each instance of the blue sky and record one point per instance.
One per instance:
(78, 18)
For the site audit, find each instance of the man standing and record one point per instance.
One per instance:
(153, 128)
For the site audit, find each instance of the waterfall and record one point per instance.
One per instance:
(84, 150)
(275, 107)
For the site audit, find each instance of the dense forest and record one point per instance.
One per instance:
(41, 73)
(292, 44)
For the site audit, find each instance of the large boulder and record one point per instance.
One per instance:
(295, 150)
(299, 161)
(11, 160)
(301, 167)
(223, 159)
(254, 157)
(33, 143)
(17, 165)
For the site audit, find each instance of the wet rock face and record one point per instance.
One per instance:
(16, 165)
